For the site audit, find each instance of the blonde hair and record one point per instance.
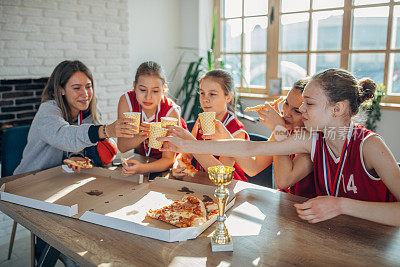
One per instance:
(58, 79)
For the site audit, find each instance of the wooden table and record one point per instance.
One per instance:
(264, 226)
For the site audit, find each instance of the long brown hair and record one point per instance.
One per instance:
(340, 85)
(225, 79)
(58, 79)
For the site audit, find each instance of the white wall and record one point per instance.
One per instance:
(154, 34)
(35, 35)
(388, 127)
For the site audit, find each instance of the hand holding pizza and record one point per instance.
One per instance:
(77, 163)
(270, 117)
(134, 168)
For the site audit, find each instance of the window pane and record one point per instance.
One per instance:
(324, 61)
(255, 68)
(321, 4)
(394, 74)
(232, 8)
(294, 5)
(294, 32)
(292, 67)
(367, 2)
(396, 28)
(369, 28)
(232, 64)
(232, 32)
(255, 38)
(368, 65)
(255, 7)
(327, 30)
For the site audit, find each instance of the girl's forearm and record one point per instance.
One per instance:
(246, 149)
(254, 165)
(229, 148)
(207, 161)
(127, 144)
(381, 212)
(160, 165)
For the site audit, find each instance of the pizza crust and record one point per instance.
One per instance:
(183, 162)
(85, 164)
(274, 104)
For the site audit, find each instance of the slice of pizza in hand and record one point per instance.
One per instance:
(187, 164)
(274, 104)
(84, 164)
(188, 212)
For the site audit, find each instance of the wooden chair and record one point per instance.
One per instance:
(13, 144)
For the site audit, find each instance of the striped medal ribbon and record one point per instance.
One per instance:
(147, 149)
(332, 185)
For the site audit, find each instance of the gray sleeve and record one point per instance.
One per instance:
(57, 132)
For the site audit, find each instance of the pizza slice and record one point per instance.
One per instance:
(188, 212)
(84, 164)
(185, 162)
(274, 104)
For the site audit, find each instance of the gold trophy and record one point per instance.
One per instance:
(221, 176)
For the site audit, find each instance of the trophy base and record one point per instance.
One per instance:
(218, 247)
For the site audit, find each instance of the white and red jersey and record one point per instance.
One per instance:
(354, 181)
(164, 109)
(234, 126)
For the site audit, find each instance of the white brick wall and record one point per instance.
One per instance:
(35, 35)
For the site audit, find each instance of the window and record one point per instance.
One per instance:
(264, 39)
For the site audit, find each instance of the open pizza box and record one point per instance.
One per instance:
(103, 197)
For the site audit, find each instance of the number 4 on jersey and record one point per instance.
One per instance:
(351, 185)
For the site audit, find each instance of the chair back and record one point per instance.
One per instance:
(190, 125)
(12, 145)
(266, 176)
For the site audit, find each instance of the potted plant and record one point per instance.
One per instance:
(372, 109)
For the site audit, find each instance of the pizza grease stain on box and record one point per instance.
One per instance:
(94, 193)
(185, 190)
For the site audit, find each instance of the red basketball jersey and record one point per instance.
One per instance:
(234, 126)
(355, 182)
(165, 107)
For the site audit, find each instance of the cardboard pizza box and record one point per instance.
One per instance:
(103, 197)
(159, 193)
(67, 193)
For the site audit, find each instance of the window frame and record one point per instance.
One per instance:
(272, 51)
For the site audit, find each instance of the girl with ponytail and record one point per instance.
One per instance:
(354, 171)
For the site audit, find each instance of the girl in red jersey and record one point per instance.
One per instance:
(284, 166)
(354, 171)
(216, 95)
(148, 97)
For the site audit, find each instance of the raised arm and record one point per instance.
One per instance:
(57, 132)
(237, 148)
